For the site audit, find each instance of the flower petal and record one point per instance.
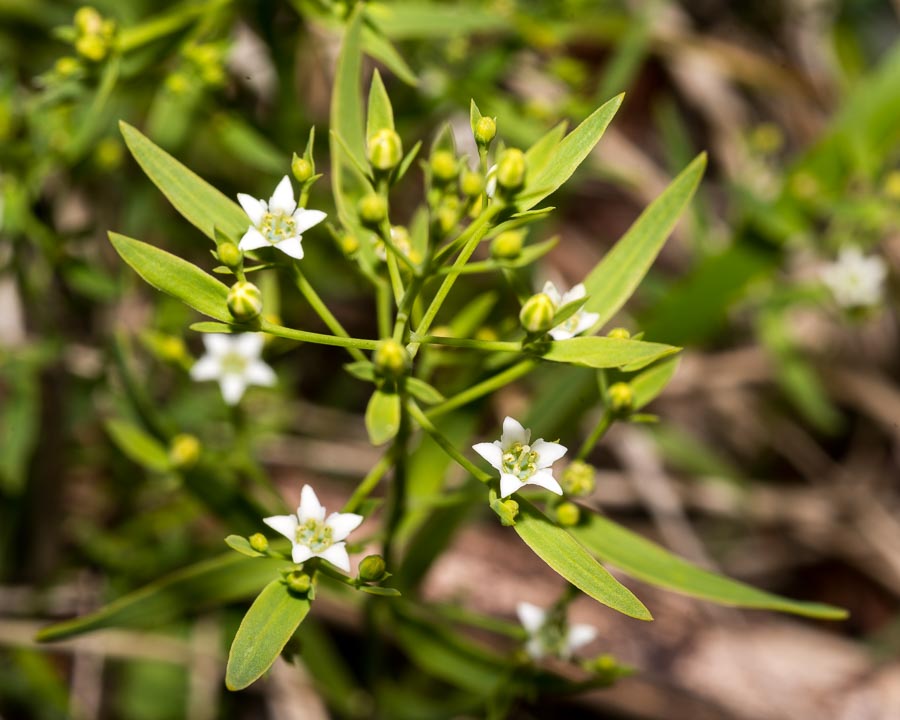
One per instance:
(292, 247)
(284, 524)
(283, 197)
(513, 432)
(509, 484)
(579, 635)
(560, 333)
(551, 291)
(337, 556)
(548, 452)
(535, 648)
(305, 219)
(545, 479)
(310, 507)
(585, 321)
(490, 452)
(248, 345)
(254, 208)
(206, 368)
(258, 373)
(343, 524)
(217, 343)
(301, 553)
(253, 240)
(531, 616)
(575, 293)
(233, 387)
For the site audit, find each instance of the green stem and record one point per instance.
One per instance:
(312, 297)
(305, 336)
(368, 483)
(447, 446)
(383, 308)
(483, 388)
(485, 345)
(606, 421)
(409, 299)
(396, 510)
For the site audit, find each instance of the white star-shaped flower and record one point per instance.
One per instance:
(854, 279)
(279, 222)
(578, 322)
(555, 637)
(313, 535)
(233, 360)
(519, 462)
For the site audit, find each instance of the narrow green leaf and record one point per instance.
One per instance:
(566, 556)
(269, 623)
(474, 115)
(240, 544)
(568, 155)
(199, 202)
(380, 48)
(423, 391)
(219, 581)
(380, 591)
(606, 352)
(174, 276)
(538, 156)
(408, 160)
(362, 370)
(647, 561)
(651, 382)
(381, 114)
(618, 274)
(382, 416)
(138, 446)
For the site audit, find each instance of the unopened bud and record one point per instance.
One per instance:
(244, 301)
(568, 514)
(444, 166)
(372, 210)
(67, 66)
(446, 217)
(507, 245)
(372, 568)
(537, 313)
(385, 149)
(511, 169)
(229, 254)
(507, 510)
(578, 479)
(301, 168)
(486, 334)
(619, 333)
(298, 582)
(91, 47)
(88, 21)
(485, 130)
(258, 542)
(621, 397)
(391, 359)
(471, 183)
(348, 244)
(184, 451)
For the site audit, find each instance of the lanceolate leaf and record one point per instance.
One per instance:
(140, 447)
(207, 584)
(568, 155)
(648, 384)
(539, 154)
(565, 555)
(199, 202)
(644, 560)
(269, 623)
(174, 276)
(618, 274)
(381, 114)
(382, 416)
(605, 352)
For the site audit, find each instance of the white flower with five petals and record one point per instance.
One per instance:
(233, 360)
(551, 636)
(854, 279)
(579, 321)
(278, 223)
(521, 462)
(313, 535)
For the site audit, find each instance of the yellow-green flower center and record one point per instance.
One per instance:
(277, 226)
(233, 363)
(315, 535)
(520, 460)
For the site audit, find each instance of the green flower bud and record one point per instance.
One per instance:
(385, 149)
(486, 334)
(67, 67)
(229, 254)
(108, 154)
(88, 21)
(471, 183)
(301, 168)
(91, 47)
(258, 542)
(507, 245)
(568, 514)
(619, 333)
(446, 217)
(537, 313)
(244, 301)
(578, 479)
(372, 210)
(621, 397)
(298, 582)
(178, 83)
(184, 451)
(372, 568)
(391, 359)
(507, 510)
(349, 244)
(485, 130)
(511, 170)
(444, 166)
(172, 348)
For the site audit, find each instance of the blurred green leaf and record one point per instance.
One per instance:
(605, 352)
(138, 446)
(649, 383)
(382, 416)
(423, 391)
(269, 623)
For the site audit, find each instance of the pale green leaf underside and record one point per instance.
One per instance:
(647, 385)
(647, 561)
(605, 352)
(269, 623)
(382, 416)
(556, 547)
